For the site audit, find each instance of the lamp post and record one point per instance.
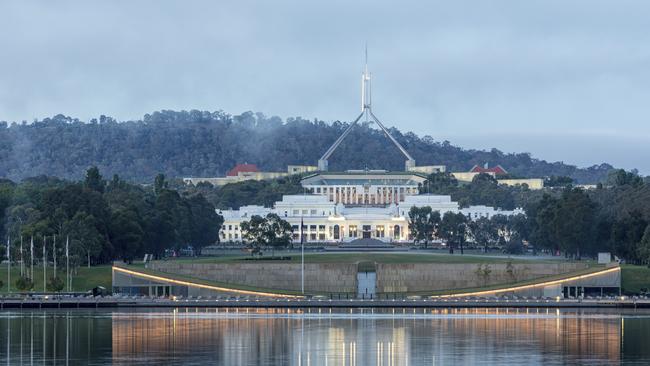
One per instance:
(31, 259)
(22, 257)
(67, 262)
(302, 257)
(54, 255)
(44, 265)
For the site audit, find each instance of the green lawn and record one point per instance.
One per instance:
(373, 257)
(85, 278)
(634, 278)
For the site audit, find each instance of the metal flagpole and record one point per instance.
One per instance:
(302, 256)
(67, 262)
(22, 258)
(31, 260)
(54, 254)
(44, 264)
(8, 262)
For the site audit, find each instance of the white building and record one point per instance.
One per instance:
(346, 206)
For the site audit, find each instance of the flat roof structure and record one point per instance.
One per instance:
(364, 178)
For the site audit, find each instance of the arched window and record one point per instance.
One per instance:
(396, 232)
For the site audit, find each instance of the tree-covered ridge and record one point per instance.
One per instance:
(201, 143)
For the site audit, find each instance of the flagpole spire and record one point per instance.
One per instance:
(366, 110)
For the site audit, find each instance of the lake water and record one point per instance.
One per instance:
(326, 337)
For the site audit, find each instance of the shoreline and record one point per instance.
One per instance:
(303, 303)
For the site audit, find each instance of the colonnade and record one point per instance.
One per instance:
(355, 195)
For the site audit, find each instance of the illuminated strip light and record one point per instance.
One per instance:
(192, 284)
(525, 287)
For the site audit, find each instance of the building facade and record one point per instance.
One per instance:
(341, 207)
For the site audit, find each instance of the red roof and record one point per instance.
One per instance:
(243, 168)
(497, 170)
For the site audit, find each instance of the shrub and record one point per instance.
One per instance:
(24, 284)
(55, 284)
(514, 247)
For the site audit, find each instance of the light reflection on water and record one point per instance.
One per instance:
(325, 336)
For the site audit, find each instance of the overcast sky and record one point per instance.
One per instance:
(564, 80)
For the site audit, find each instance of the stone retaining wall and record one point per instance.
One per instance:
(342, 277)
(319, 277)
(420, 277)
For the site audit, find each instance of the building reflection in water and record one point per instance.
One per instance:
(360, 337)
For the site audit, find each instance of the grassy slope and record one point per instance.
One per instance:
(84, 280)
(140, 268)
(635, 278)
(373, 257)
(234, 286)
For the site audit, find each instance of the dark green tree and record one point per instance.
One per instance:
(423, 223)
(453, 229)
(278, 231)
(94, 180)
(159, 184)
(619, 177)
(86, 240)
(205, 223)
(644, 247)
(574, 222)
(439, 183)
(255, 233)
(484, 231)
(127, 235)
(627, 234)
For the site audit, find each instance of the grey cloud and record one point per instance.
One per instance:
(544, 77)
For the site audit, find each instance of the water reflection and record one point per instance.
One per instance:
(326, 337)
(60, 337)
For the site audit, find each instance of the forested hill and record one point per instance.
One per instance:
(198, 143)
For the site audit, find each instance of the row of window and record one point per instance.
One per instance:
(337, 231)
(229, 236)
(311, 212)
(319, 232)
(354, 190)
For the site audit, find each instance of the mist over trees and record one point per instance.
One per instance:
(200, 143)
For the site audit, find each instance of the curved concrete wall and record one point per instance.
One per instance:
(342, 277)
(319, 277)
(421, 277)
